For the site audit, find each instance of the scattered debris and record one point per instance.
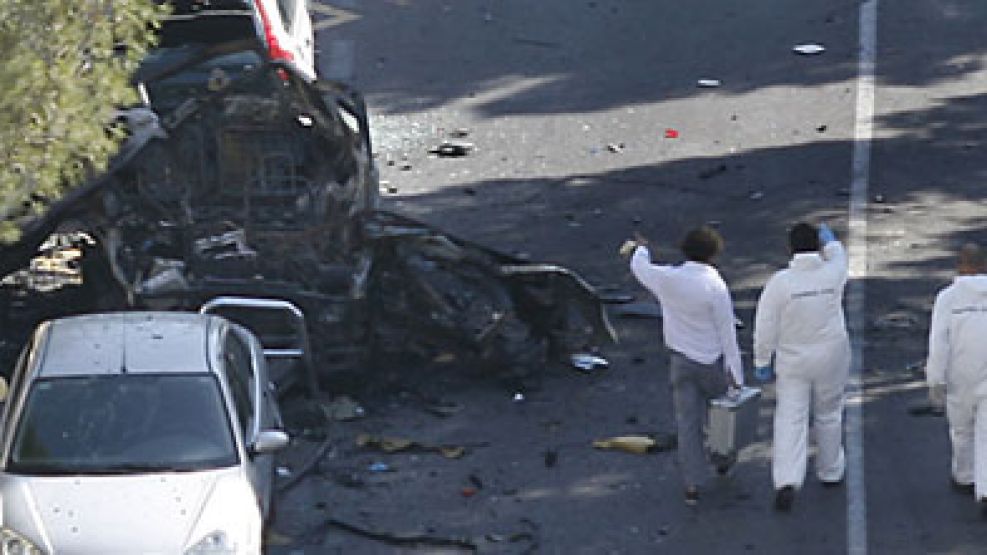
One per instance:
(586, 362)
(708, 83)
(615, 148)
(518, 397)
(713, 172)
(403, 540)
(896, 320)
(379, 467)
(822, 128)
(809, 49)
(452, 149)
(459, 133)
(637, 444)
(879, 198)
(396, 444)
(342, 409)
(631, 444)
(756, 195)
(671, 134)
(284, 472)
(388, 187)
(468, 491)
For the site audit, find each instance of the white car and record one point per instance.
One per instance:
(138, 433)
(284, 26)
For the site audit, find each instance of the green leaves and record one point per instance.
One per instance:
(62, 78)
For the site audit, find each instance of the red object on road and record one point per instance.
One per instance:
(469, 492)
(671, 133)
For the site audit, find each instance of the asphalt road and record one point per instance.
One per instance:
(570, 105)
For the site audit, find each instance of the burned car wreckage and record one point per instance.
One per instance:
(241, 180)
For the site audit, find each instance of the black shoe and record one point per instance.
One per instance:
(832, 483)
(692, 496)
(723, 464)
(965, 489)
(784, 498)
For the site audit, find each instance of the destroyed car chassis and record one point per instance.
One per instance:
(242, 179)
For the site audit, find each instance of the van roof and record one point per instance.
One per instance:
(127, 342)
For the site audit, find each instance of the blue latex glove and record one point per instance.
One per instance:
(826, 235)
(764, 373)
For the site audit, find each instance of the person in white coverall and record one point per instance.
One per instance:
(800, 324)
(699, 330)
(957, 369)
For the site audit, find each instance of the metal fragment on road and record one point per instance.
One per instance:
(379, 467)
(615, 147)
(708, 83)
(587, 362)
(809, 49)
(452, 149)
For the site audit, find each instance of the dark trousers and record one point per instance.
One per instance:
(693, 385)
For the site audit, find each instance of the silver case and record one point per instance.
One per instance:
(732, 421)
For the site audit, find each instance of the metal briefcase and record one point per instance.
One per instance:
(732, 421)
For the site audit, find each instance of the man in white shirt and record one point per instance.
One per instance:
(699, 330)
(956, 369)
(800, 322)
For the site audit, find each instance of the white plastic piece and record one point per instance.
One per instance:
(809, 49)
(708, 83)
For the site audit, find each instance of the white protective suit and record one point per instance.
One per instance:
(958, 359)
(800, 322)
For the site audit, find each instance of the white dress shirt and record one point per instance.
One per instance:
(697, 312)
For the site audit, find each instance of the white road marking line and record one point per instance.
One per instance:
(860, 172)
(337, 16)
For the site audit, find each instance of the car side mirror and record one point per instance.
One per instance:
(269, 441)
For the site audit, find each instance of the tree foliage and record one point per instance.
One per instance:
(66, 68)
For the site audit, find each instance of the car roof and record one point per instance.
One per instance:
(128, 342)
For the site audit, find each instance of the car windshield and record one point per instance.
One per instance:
(125, 423)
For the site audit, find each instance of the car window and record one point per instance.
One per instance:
(124, 423)
(240, 376)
